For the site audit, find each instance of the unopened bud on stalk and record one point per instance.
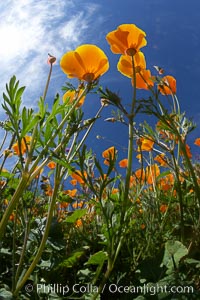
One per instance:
(51, 59)
(105, 102)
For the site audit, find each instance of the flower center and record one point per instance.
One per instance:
(131, 51)
(89, 77)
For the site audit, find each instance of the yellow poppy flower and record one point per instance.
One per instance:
(72, 95)
(125, 65)
(87, 63)
(167, 85)
(126, 39)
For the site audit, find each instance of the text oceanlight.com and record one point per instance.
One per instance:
(111, 288)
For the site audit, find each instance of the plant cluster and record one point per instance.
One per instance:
(99, 226)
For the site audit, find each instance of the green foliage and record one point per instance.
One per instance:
(71, 217)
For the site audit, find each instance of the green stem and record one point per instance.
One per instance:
(87, 132)
(130, 143)
(22, 185)
(180, 197)
(58, 129)
(113, 256)
(189, 164)
(14, 252)
(23, 251)
(48, 81)
(103, 282)
(45, 236)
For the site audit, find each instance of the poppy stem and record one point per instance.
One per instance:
(48, 81)
(130, 142)
(37, 257)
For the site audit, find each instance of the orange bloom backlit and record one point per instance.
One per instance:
(87, 63)
(126, 39)
(109, 154)
(123, 163)
(70, 193)
(24, 145)
(197, 142)
(77, 175)
(72, 95)
(51, 165)
(167, 85)
(163, 208)
(143, 80)
(145, 144)
(188, 151)
(79, 223)
(152, 172)
(161, 160)
(125, 65)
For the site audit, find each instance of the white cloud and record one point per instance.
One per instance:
(31, 29)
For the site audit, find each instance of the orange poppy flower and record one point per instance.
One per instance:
(109, 154)
(71, 193)
(161, 160)
(87, 63)
(126, 39)
(125, 65)
(145, 144)
(143, 80)
(188, 152)
(167, 85)
(152, 172)
(51, 165)
(78, 204)
(123, 163)
(24, 145)
(166, 183)
(197, 142)
(79, 223)
(78, 176)
(163, 208)
(72, 95)
(12, 217)
(115, 191)
(139, 176)
(49, 191)
(73, 182)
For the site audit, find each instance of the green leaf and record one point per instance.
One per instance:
(97, 258)
(77, 214)
(72, 260)
(5, 295)
(174, 251)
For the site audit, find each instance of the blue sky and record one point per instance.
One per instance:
(30, 29)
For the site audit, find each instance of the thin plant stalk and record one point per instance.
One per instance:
(38, 255)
